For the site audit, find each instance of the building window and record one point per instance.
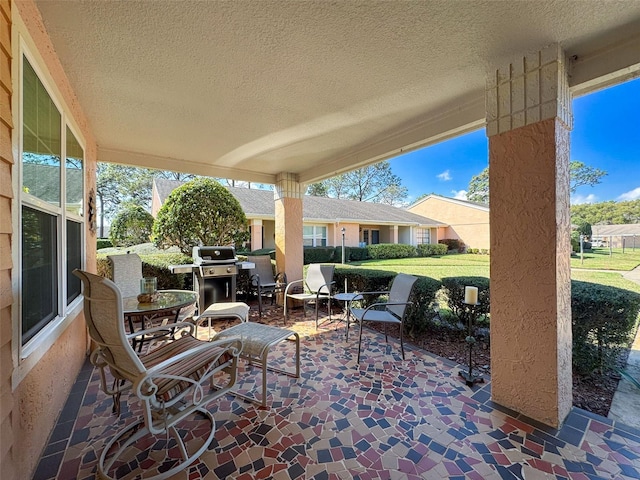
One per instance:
(314, 236)
(423, 235)
(51, 196)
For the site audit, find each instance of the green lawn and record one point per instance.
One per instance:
(457, 265)
(599, 259)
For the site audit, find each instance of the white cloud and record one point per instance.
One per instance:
(631, 195)
(459, 194)
(578, 199)
(444, 176)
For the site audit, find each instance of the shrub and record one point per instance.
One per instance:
(391, 250)
(319, 255)
(356, 254)
(104, 243)
(131, 226)
(362, 279)
(427, 249)
(264, 251)
(603, 321)
(453, 244)
(420, 314)
(453, 288)
(200, 212)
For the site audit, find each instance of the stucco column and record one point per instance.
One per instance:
(256, 234)
(288, 197)
(393, 230)
(528, 123)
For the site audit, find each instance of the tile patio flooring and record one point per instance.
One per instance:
(384, 419)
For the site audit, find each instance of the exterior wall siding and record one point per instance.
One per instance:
(31, 398)
(7, 403)
(467, 223)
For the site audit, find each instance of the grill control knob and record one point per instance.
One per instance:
(229, 269)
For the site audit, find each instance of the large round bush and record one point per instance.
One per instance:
(131, 226)
(200, 212)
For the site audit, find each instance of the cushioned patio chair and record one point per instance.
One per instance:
(263, 281)
(317, 285)
(175, 382)
(391, 312)
(127, 273)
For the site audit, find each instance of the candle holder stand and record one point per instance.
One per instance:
(469, 377)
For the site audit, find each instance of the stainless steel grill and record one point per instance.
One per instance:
(214, 272)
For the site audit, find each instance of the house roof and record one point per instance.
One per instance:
(628, 229)
(258, 203)
(249, 89)
(468, 203)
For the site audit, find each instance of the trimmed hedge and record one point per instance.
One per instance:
(391, 250)
(362, 279)
(319, 255)
(453, 244)
(104, 243)
(604, 319)
(430, 249)
(420, 314)
(453, 287)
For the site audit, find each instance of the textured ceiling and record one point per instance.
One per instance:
(247, 89)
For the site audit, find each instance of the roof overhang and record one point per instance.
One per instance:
(246, 90)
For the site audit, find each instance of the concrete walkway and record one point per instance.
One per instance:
(625, 406)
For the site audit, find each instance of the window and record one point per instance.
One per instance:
(51, 197)
(423, 235)
(314, 236)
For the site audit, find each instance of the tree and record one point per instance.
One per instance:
(200, 212)
(131, 226)
(606, 213)
(375, 183)
(119, 186)
(478, 190)
(580, 175)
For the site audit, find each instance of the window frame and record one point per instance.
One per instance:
(315, 236)
(26, 355)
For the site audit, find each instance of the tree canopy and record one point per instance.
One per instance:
(200, 212)
(606, 213)
(580, 175)
(132, 225)
(374, 183)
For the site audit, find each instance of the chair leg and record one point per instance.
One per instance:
(401, 344)
(259, 303)
(360, 340)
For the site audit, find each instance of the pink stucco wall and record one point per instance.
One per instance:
(530, 287)
(465, 222)
(39, 397)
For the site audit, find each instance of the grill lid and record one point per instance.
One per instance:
(214, 255)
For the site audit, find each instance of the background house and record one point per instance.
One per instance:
(617, 235)
(461, 219)
(365, 223)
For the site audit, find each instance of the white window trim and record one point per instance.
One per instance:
(315, 237)
(26, 357)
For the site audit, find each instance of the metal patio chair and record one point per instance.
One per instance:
(391, 312)
(317, 285)
(263, 281)
(173, 383)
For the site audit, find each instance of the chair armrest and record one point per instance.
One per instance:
(295, 282)
(282, 276)
(163, 328)
(327, 285)
(375, 306)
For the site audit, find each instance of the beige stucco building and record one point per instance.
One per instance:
(227, 89)
(365, 223)
(464, 220)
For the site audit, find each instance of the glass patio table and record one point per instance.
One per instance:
(166, 310)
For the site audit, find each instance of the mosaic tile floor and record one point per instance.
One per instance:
(383, 419)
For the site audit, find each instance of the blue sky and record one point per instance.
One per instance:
(606, 135)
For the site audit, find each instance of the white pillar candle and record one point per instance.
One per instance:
(471, 295)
